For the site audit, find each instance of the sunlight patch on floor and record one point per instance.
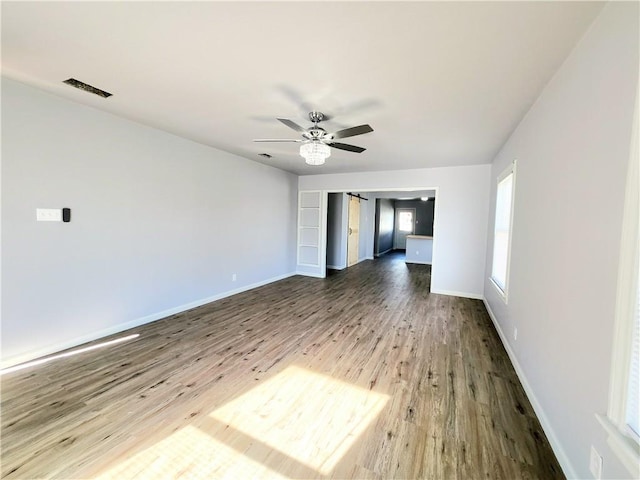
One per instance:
(71, 353)
(298, 424)
(189, 453)
(309, 417)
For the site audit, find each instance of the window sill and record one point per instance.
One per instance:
(627, 451)
(502, 293)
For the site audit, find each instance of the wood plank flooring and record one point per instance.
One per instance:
(364, 374)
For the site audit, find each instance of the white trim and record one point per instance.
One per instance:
(510, 170)
(621, 438)
(311, 274)
(69, 353)
(58, 347)
(342, 267)
(324, 210)
(556, 446)
(499, 290)
(383, 253)
(451, 293)
(417, 262)
(622, 446)
(435, 241)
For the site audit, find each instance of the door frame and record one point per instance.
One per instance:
(323, 217)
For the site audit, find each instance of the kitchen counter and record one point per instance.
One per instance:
(419, 249)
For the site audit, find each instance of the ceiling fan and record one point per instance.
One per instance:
(316, 141)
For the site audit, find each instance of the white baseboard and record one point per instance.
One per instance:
(121, 327)
(311, 274)
(562, 457)
(416, 262)
(342, 267)
(337, 267)
(475, 296)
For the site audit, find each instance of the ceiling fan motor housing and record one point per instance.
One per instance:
(316, 117)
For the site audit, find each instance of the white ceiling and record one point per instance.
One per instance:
(441, 83)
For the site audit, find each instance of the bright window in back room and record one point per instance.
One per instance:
(502, 230)
(405, 221)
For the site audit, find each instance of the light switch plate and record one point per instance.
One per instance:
(49, 214)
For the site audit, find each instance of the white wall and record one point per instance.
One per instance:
(572, 150)
(460, 228)
(158, 223)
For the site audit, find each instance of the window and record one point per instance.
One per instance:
(405, 221)
(502, 230)
(622, 421)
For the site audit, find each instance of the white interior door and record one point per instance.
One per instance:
(312, 224)
(405, 225)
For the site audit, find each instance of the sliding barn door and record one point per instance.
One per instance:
(353, 241)
(312, 223)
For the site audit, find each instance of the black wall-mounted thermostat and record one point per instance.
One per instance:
(66, 215)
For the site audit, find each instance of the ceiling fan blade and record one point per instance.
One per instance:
(351, 132)
(293, 125)
(347, 147)
(276, 140)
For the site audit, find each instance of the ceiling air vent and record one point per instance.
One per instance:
(265, 155)
(87, 88)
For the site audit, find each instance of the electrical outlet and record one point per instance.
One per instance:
(233, 277)
(417, 252)
(515, 333)
(595, 464)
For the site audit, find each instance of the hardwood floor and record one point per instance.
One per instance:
(364, 374)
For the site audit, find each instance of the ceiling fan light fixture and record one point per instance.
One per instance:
(315, 153)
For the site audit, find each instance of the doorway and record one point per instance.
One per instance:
(405, 225)
(376, 226)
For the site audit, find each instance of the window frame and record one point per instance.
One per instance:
(510, 170)
(623, 441)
